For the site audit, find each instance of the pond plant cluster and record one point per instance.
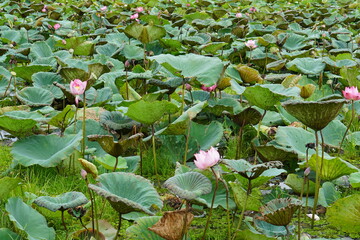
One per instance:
(179, 119)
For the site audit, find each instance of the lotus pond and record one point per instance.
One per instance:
(179, 119)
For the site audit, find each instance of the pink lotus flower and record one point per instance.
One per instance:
(139, 9)
(188, 87)
(77, 87)
(188, 5)
(351, 93)
(209, 89)
(44, 9)
(63, 42)
(251, 44)
(104, 8)
(238, 15)
(205, 160)
(134, 16)
(57, 26)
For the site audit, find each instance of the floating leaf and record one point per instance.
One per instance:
(30, 151)
(62, 202)
(29, 220)
(189, 185)
(127, 192)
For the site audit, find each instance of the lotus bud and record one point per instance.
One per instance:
(83, 174)
(188, 87)
(307, 171)
(307, 90)
(71, 50)
(13, 73)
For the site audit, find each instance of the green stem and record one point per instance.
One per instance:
(84, 127)
(119, 227)
(238, 146)
(187, 137)
(227, 208)
(182, 97)
(212, 203)
(154, 152)
(243, 209)
(317, 182)
(92, 205)
(258, 133)
(348, 127)
(116, 163)
(63, 221)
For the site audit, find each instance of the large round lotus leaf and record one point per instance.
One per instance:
(248, 74)
(26, 115)
(240, 195)
(333, 133)
(44, 150)
(145, 34)
(247, 116)
(29, 220)
(62, 202)
(315, 115)
(26, 72)
(354, 179)
(332, 168)
(116, 148)
(17, 127)
(279, 211)
(108, 162)
(218, 106)
(150, 112)
(249, 235)
(295, 42)
(140, 230)
(266, 96)
(116, 120)
(307, 65)
(127, 192)
(272, 153)
(45, 80)
(188, 185)
(207, 70)
(6, 234)
(344, 214)
(35, 97)
(269, 229)
(328, 194)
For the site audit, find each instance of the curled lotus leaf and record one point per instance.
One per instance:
(116, 120)
(172, 224)
(279, 211)
(189, 185)
(247, 116)
(248, 74)
(249, 171)
(272, 153)
(315, 115)
(62, 202)
(127, 192)
(116, 148)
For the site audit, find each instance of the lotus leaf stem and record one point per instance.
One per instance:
(84, 127)
(116, 163)
(248, 192)
(348, 127)
(154, 152)
(183, 96)
(118, 229)
(317, 182)
(227, 207)
(187, 137)
(63, 221)
(238, 146)
(212, 203)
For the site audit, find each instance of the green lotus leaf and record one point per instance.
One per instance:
(116, 120)
(249, 235)
(248, 74)
(279, 211)
(127, 192)
(239, 193)
(45, 80)
(328, 194)
(62, 202)
(29, 220)
(145, 34)
(35, 97)
(6, 234)
(276, 66)
(109, 49)
(7, 185)
(291, 80)
(97, 97)
(344, 214)
(296, 183)
(17, 127)
(269, 229)
(249, 171)
(140, 229)
(26, 115)
(108, 162)
(294, 139)
(150, 112)
(189, 185)
(247, 116)
(40, 50)
(116, 148)
(218, 106)
(295, 42)
(207, 70)
(354, 179)
(316, 115)
(44, 150)
(333, 133)
(71, 73)
(64, 118)
(261, 180)
(350, 75)
(26, 72)
(332, 168)
(273, 153)
(266, 96)
(307, 65)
